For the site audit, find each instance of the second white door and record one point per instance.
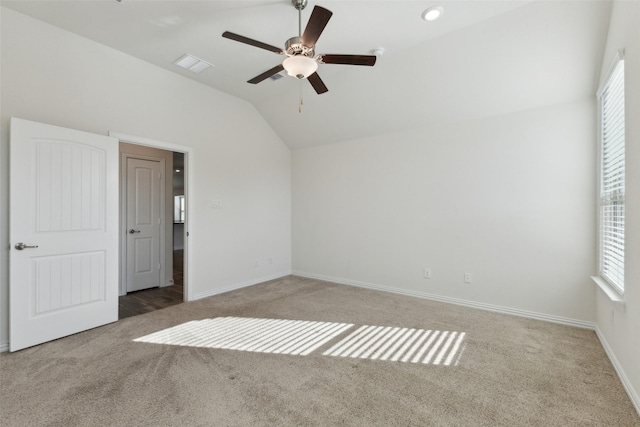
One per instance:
(144, 222)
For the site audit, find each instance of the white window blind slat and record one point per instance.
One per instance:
(612, 186)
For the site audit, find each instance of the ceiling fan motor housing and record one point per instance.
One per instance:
(294, 47)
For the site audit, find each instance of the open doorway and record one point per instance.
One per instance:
(179, 218)
(167, 287)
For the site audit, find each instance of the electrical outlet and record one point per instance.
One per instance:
(467, 277)
(427, 273)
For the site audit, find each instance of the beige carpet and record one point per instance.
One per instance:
(506, 370)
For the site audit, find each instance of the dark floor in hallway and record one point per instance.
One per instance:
(147, 300)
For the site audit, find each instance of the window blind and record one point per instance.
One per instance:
(612, 186)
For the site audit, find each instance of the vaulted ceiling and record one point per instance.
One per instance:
(480, 58)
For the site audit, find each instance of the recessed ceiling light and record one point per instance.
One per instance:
(191, 63)
(178, 170)
(432, 13)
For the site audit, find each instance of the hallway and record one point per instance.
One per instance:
(147, 300)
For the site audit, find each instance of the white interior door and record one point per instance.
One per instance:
(64, 216)
(144, 211)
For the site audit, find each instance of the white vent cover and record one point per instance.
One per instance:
(191, 63)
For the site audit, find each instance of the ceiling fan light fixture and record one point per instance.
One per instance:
(300, 66)
(432, 13)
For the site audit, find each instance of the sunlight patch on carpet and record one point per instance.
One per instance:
(401, 344)
(297, 337)
(302, 337)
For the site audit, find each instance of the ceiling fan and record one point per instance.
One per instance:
(301, 61)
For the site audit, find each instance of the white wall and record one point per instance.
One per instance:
(620, 331)
(53, 76)
(508, 199)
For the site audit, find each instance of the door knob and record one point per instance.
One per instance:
(20, 246)
(132, 231)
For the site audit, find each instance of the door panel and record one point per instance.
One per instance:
(144, 206)
(70, 187)
(143, 253)
(68, 280)
(64, 200)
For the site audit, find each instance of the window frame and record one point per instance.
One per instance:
(604, 198)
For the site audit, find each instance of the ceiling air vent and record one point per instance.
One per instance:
(191, 63)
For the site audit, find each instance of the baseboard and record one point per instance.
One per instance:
(4, 347)
(239, 285)
(633, 395)
(482, 306)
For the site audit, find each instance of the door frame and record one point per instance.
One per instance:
(124, 157)
(188, 191)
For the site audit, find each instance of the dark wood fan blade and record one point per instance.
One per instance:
(266, 74)
(251, 42)
(317, 83)
(318, 20)
(368, 60)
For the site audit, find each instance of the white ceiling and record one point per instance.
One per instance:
(481, 58)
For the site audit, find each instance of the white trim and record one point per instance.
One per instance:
(619, 56)
(4, 347)
(240, 285)
(611, 293)
(472, 304)
(189, 225)
(626, 383)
